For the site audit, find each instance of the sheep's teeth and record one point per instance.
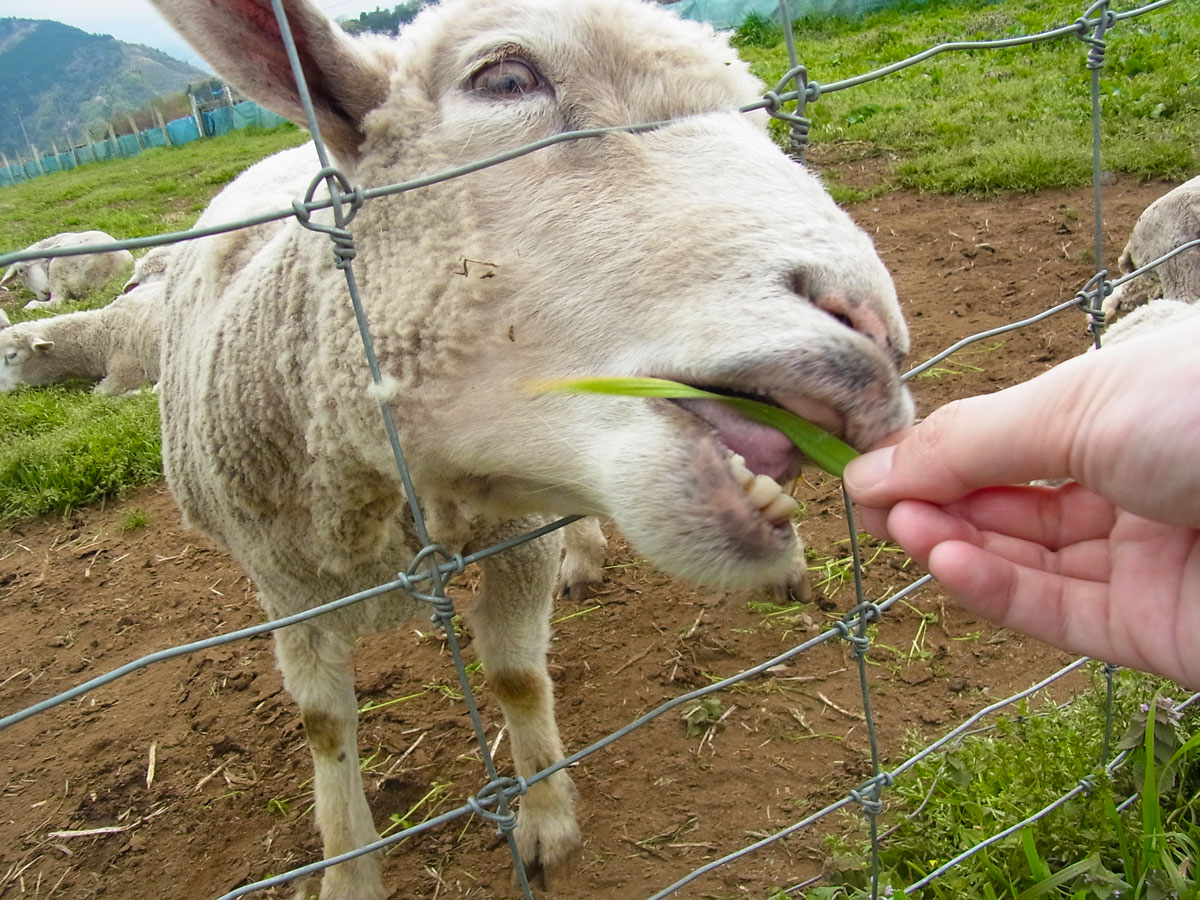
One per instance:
(780, 509)
(763, 491)
(741, 474)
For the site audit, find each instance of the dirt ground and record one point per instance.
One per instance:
(190, 778)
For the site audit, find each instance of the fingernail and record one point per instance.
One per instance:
(868, 470)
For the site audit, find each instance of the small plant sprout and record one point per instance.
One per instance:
(134, 519)
(821, 447)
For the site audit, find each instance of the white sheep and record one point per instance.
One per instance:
(55, 279)
(1157, 313)
(116, 345)
(4, 321)
(696, 251)
(585, 548)
(1170, 221)
(149, 267)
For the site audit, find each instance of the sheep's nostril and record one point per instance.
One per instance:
(844, 319)
(854, 313)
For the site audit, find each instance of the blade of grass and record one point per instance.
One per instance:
(825, 450)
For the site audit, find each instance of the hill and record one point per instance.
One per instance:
(61, 81)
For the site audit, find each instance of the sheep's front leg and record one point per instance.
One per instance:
(511, 626)
(316, 672)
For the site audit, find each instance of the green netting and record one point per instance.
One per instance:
(732, 13)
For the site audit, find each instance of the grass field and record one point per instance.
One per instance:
(65, 447)
(993, 120)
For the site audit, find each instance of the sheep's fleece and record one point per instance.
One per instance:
(1169, 222)
(59, 278)
(696, 251)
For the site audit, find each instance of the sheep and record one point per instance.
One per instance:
(148, 268)
(1170, 221)
(585, 547)
(1157, 313)
(696, 250)
(4, 321)
(55, 279)
(117, 345)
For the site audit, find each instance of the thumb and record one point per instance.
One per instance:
(969, 444)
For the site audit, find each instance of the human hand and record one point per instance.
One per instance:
(1110, 566)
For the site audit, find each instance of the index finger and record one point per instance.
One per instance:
(1010, 437)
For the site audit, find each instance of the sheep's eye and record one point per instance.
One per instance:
(506, 79)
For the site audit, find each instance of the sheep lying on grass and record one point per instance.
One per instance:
(696, 251)
(1171, 220)
(55, 279)
(149, 268)
(116, 345)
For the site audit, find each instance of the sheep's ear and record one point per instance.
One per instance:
(241, 39)
(8, 276)
(41, 345)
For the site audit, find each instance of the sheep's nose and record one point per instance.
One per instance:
(850, 311)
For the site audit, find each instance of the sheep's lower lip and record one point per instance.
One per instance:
(765, 450)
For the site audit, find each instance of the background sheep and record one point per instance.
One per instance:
(54, 280)
(1155, 314)
(148, 268)
(697, 251)
(117, 345)
(1168, 222)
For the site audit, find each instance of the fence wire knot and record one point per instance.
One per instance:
(348, 201)
(1091, 300)
(1095, 40)
(868, 795)
(493, 792)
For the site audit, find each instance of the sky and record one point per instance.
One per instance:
(137, 22)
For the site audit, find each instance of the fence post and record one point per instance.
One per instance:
(196, 111)
(137, 134)
(163, 127)
(37, 158)
(112, 137)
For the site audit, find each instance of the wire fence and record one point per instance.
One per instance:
(431, 568)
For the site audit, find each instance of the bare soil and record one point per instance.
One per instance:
(190, 777)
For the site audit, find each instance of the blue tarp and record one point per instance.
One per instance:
(732, 13)
(219, 121)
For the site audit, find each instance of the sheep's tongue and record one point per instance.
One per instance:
(766, 451)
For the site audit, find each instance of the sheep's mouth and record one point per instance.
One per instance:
(760, 459)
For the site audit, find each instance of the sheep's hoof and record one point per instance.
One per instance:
(577, 589)
(549, 856)
(794, 588)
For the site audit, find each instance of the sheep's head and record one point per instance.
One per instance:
(1134, 293)
(18, 345)
(33, 273)
(696, 251)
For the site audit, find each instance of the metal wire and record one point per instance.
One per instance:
(431, 568)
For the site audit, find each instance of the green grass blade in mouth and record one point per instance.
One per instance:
(825, 450)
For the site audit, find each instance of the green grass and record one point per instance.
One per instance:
(163, 189)
(985, 121)
(972, 790)
(62, 448)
